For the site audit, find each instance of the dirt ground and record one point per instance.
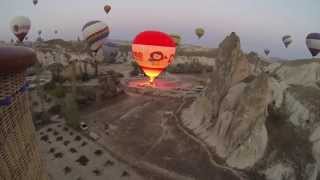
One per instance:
(142, 130)
(141, 135)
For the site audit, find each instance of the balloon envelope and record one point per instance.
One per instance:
(154, 51)
(20, 27)
(35, 2)
(287, 40)
(313, 43)
(199, 32)
(267, 51)
(95, 33)
(107, 8)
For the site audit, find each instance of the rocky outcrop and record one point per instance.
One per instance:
(231, 67)
(256, 63)
(225, 117)
(201, 59)
(259, 116)
(280, 172)
(298, 72)
(109, 85)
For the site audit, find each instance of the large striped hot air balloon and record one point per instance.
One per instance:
(313, 43)
(95, 33)
(287, 40)
(154, 51)
(20, 27)
(267, 52)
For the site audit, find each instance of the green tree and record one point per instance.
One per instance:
(71, 111)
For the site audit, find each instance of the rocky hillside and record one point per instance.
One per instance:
(260, 118)
(62, 52)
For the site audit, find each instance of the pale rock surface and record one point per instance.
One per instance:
(224, 117)
(280, 172)
(304, 73)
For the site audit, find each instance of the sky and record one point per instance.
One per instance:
(259, 23)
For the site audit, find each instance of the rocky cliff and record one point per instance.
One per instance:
(258, 117)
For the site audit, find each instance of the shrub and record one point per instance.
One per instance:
(83, 160)
(58, 92)
(98, 152)
(67, 170)
(193, 67)
(49, 86)
(56, 109)
(71, 111)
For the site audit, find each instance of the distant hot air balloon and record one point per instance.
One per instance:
(313, 43)
(35, 2)
(39, 32)
(95, 33)
(287, 40)
(199, 32)
(20, 27)
(267, 52)
(176, 38)
(55, 31)
(107, 8)
(154, 51)
(110, 51)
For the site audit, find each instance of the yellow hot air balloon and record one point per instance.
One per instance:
(200, 32)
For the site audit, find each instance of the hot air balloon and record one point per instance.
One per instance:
(154, 51)
(110, 51)
(20, 27)
(313, 43)
(95, 33)
(107, 8)
(267, 52)
(39, 32)
(55, 31)
(199, 32)
(287, 40)
(176, 38)
(35, 2)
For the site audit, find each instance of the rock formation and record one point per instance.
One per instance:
(260, 117)
(229, 123)
(109, 85)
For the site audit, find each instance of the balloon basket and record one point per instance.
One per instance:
(159, 87)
